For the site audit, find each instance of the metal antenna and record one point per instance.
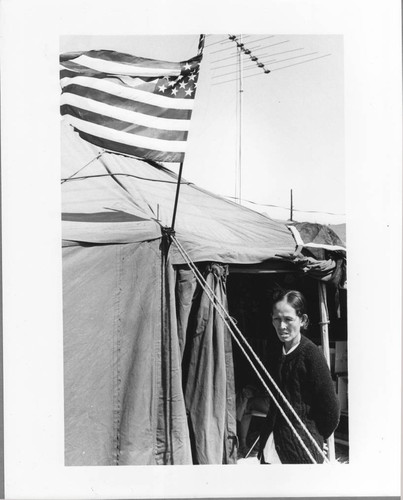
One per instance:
(238, 193)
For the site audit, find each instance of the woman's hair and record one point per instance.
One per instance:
(296, 300)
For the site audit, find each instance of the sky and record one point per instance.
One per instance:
(291, 120)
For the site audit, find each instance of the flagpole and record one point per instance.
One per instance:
(177, 196)
(172, 228)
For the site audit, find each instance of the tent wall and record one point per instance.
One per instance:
(121, 408)
(127, 399)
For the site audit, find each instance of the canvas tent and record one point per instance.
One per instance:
(149, 376)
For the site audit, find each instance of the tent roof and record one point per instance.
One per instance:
(117, 199)
(312, 235)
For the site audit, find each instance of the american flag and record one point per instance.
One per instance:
(128, 104)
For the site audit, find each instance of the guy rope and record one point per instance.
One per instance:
(231, 325)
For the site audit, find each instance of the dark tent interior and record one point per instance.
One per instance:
(249, 299)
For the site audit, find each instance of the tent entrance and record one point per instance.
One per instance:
(249, 291)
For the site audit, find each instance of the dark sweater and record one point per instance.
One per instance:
(304, 378)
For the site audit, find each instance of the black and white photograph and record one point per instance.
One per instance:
(201, 250)
(171, 337)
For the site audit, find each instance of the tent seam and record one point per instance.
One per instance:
(117, 350)
(155, 378)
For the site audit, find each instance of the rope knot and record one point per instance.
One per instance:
(167, 231)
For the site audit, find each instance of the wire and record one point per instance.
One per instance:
(284, 52)
(273, 44)
(82, 168)
(269, 62)
(224, 58)
(225, 40)
(255, 203)
(126, 175)
(275, 69)
(265, 55)
(253, 48)
(235, 79)
(315, 212)
(289, 58)
(302, 62)
(285, 208)
(265, 38)
(233, 72)
(230, 47)
(215, 43)
(236, 53)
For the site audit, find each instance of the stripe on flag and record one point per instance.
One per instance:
(139, 152)
(89, 116)
(140, 117)
(106, 133)
(128, 104)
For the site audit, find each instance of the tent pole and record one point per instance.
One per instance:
(177, 196)
(291, 206)
(166, 355)
(324, 323)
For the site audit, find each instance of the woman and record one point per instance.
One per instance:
(302, 374)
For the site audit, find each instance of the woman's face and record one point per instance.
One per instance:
(287, 323)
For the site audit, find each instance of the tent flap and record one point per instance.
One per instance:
(209, 373)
